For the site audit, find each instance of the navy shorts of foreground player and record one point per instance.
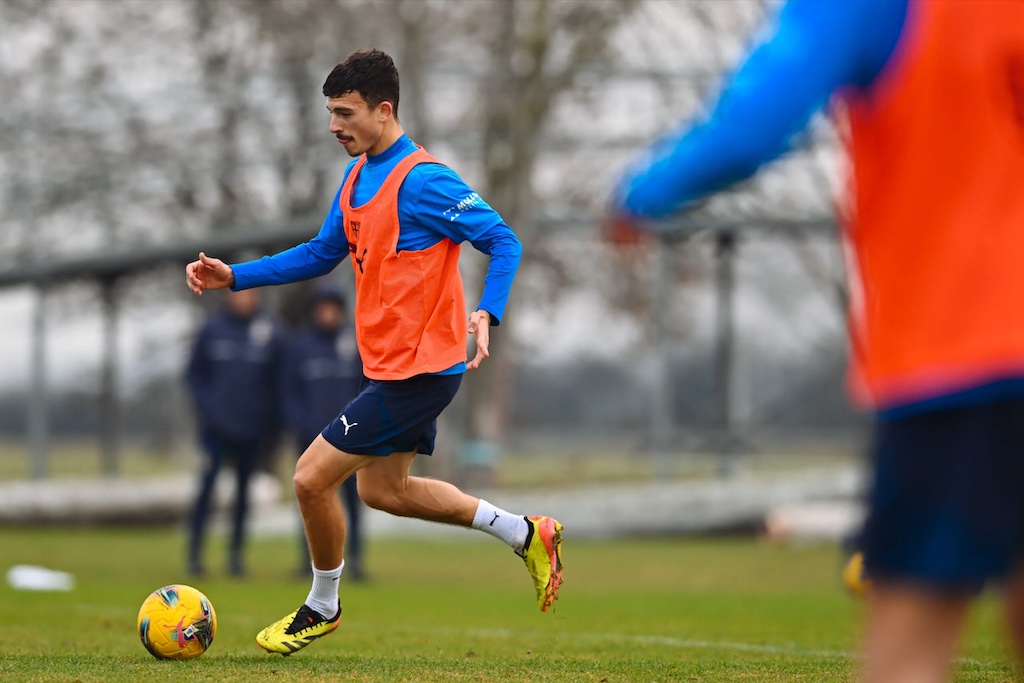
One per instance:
(947, 504)
(394, 416)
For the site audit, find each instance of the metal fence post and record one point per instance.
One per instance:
(38, 403)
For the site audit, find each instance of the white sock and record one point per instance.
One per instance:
(323, 596)
(500, 524)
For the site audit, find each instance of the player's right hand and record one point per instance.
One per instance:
(208, 273)
(623, 231)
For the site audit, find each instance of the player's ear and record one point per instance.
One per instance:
(384, 111)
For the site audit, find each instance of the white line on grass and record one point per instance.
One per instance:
(683, 643)
(692, 644)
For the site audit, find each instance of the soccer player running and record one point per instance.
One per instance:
(401, 215)
(930, 98)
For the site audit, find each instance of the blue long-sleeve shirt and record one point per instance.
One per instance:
(816, 49)
(428, 211)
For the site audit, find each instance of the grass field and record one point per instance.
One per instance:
(644, 610)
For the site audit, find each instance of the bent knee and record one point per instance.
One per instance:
(306, 484)
(373, 496)
(379, 497)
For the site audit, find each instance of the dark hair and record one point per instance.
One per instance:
(371, 73)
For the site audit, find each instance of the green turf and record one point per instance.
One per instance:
(645, 610)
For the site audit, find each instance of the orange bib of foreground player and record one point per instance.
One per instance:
(410, 310)
(936, 222)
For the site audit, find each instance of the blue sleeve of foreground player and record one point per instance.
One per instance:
(316, 257)
(816, 49)
(436, 203)
(505, 250)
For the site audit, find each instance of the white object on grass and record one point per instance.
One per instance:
(33, 578)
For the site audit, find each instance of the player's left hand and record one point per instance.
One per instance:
(480, 327)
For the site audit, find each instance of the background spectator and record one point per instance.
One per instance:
(233, 376)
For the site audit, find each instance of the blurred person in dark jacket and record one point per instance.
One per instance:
(323, 372)
(234, 378)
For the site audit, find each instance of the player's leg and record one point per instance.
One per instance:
(404, 424)
(1013, 597)
(398, 419)
(387, 485)
(911, 634)
(318, 474)
(1013, 608)
(945, 517)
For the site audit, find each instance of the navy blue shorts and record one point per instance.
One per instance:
(393, 416)
(946, 507)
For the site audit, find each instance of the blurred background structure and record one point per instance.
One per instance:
(136, 132)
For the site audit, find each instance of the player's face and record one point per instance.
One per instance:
(358, 127)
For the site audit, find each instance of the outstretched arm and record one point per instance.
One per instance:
(310, 259)
(314, 258)
(816, 49)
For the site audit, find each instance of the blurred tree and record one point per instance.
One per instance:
(538, 49)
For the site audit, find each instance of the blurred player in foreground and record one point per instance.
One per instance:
(401, 215)
(930, 99)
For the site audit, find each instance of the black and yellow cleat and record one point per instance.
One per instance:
(854, 577)
(296, 631)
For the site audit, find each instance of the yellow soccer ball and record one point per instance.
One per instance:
(177, 622)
